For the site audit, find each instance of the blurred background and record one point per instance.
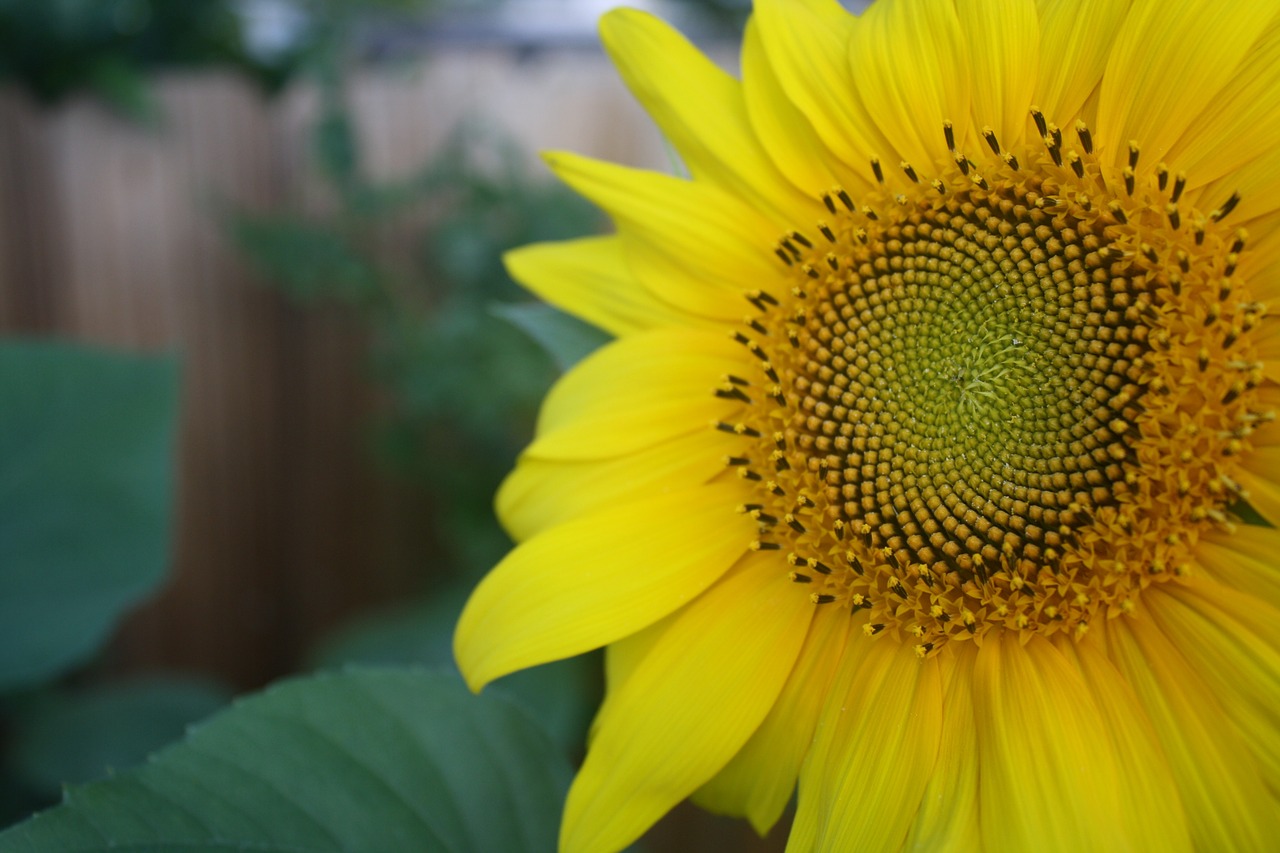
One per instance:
(305, 202)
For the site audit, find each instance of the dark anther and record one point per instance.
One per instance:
(827, 232)
(748, 474)
(736, 380)
(810, 271)
(1054, 151)
(737, 460)
(938, 185)
(1056, 133)
(1010, 160)
(786, 259)
(757, 325)
(1133, 155)
(1228, 206)
(766, 296)
(1179, 184)
(949, 132)
(1038, 118)
(794, 524)
(742, 339)
(1086, 138)
(769, 371)
(990, 135)
(876, 628)
(801, 239)
(1129, 179)
(875, 168)
(1175, 220)
(910, 172)
(869, 212)
(1162, 177)
(766, 546)
(1237, 245)
(732, 393)
(796, 577)
(833, 261)
(764, 517)
(1118, 212)
(853, 562)
(822, 598)
(829, 202)
(755, 300)
(1077, 165)
(963, 163)
(1232, 393)
(820, 567)
(845, 199)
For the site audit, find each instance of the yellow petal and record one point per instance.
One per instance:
(1168, 62)
(701, 110)
(694, 698)
(1261, 482)
(879, 736)
(1233, 641)
(911, 68)
(636, 392)
(783, 130)
(1240, 123)
(691, 244)
(1075, 43)
(807, 46)
(760, 779)
(1049, 778)
(1245, 560)
(589, 278)
(1223, 797)
(1149, 800)
(541, 493)
(1003, 38)
(589, 582)
(948, 820)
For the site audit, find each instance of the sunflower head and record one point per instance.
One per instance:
(921, 473)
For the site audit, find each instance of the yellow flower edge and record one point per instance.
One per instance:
(917, 474)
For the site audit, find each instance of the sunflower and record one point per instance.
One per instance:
(930, 470)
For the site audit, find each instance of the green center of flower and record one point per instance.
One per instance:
(1010, 397)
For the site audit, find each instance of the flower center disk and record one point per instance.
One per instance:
(1009, 399)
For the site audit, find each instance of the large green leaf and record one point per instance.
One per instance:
(78, 734)
(86, 487)
(367, 760)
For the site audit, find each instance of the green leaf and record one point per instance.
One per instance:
(68, 736)
(86, 489)
(365, 760)
(562, 696)
(566, 339)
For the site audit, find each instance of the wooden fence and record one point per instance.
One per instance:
(109, 235)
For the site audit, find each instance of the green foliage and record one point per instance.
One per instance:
(68, 735)
(365, 760)
(56, 47)
(561, 696)
(86, 495)
(565, 338)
